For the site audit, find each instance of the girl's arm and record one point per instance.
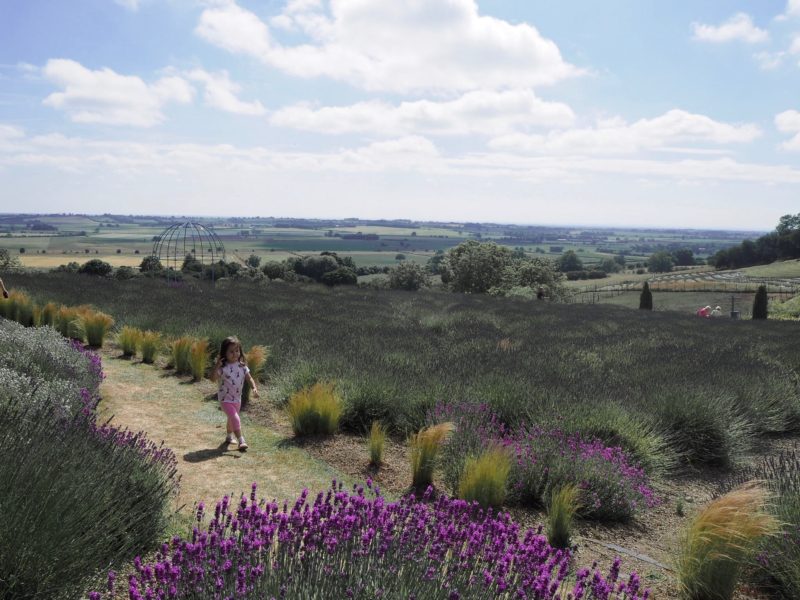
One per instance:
(253, 385)
(215, 372)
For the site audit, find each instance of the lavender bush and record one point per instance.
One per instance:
(358, 545)
(77, 496)
(611, 486)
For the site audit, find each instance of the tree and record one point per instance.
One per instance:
(253, 261)
(524, 278)
(475, 267)
(434, 263)
(274, 269)
(683, 257)
(609, 265)
(760, 303)
(787, 224)
(569, 261)
(316, 266)
(646, 298)
(150, 264)
(8, 261)
(399, 256)
(660, 262)
(96, 267)
(408, 276)
(339, 276)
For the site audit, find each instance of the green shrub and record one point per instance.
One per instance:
(180, 349)
(198, 359)
(485, 478)
(129, 339)
(561, 509)
(315, 410)
(720, 541)
(96, 267)
(646, 298)
(150, 344)
(96, 325)
(425, 447)
(760, 303)
(377, 440)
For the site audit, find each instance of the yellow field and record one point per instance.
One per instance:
(51, 261)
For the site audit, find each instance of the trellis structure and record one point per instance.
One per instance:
(182, 239)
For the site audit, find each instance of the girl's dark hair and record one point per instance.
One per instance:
(227, 343)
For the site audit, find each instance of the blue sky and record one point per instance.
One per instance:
(641, 113)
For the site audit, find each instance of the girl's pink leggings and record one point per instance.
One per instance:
(232, 410)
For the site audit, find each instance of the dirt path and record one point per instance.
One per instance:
(186, 416)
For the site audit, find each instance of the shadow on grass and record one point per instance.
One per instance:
(210, 454)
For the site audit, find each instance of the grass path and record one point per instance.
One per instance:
(185, 416)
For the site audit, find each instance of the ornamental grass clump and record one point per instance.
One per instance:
(96, 325)
(425, 447)
(485, 478)
(561, 510)
(361, 546)
(199, 354)
(720, 541)
(150, 343)
(315, 410)
(375, 443)
(19, 308)
(129, 339)
(180, 350)
(256, 358)
(49, 314)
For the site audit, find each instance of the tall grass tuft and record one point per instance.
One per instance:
(485, 477)
(49, 314)
(256, 358)
(69, 322)
(150, 343)
(563, 505)
(720, 541)
(19, 308)
(315, 410)
(425, 447)
(129, 339)
(377, 440)
(198, 358)
(96, 325)
(180, 350)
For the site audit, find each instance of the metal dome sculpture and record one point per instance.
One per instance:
(178, 241)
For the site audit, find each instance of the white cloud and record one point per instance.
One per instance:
(794, 48)
(431, 45)
(129, 4)
(479, 112)
(220, 92)
(789, 122)
(104, 96)
(769, 61)
(739, 27)
(615, 136)
(792, 9)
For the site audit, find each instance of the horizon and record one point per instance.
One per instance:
(599, 115)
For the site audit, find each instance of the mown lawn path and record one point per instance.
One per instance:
(188, 419)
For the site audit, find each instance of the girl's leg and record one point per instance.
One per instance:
(234, 424)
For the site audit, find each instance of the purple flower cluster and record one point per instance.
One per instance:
(94, 366)
(354, 545)
(148, 450)
(613, 487)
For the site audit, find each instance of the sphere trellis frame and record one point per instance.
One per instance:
(181, 239)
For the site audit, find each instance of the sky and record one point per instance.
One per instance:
(623, 112)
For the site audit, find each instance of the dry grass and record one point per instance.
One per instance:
(376, 443)
(96, 326)
(256, 358)
(561, 512)
(198, 358)
(180, 350)
(425, 447)
(719, 541)
(129, 339)
(484, 478)
(315, 410)
(150, 343)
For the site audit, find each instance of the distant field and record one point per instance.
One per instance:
(786, 268)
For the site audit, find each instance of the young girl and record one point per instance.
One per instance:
(232, 371)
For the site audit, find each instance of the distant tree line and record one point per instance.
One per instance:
(781, 244)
